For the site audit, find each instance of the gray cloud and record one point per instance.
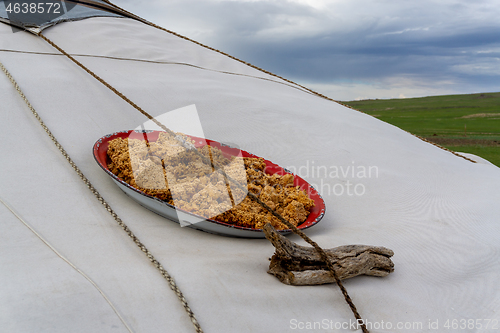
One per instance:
(450, 45)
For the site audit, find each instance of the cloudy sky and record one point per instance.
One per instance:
(349, 49)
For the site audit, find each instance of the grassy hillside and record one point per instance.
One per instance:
(466, 123)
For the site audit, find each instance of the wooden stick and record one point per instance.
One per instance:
(298, 265)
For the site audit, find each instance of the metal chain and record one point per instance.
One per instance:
(118, 220)
(207, 161)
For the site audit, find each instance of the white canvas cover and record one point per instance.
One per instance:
(439, 213)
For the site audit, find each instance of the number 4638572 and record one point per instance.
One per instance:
(34, 8)
(456, 324)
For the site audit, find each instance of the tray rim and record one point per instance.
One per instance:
(97, 148)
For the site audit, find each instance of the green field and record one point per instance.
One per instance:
(463, 123)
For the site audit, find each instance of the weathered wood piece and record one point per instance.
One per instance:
(300, 265)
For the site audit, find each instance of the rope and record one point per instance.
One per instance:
(272, 74)
(68, 262)
(421, 138)
(118, 220)
(159, 62)
(444, 148)
(207, 161)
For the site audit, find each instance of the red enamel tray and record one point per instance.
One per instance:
(192, 220)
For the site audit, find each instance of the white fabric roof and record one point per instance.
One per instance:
(439, 213)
